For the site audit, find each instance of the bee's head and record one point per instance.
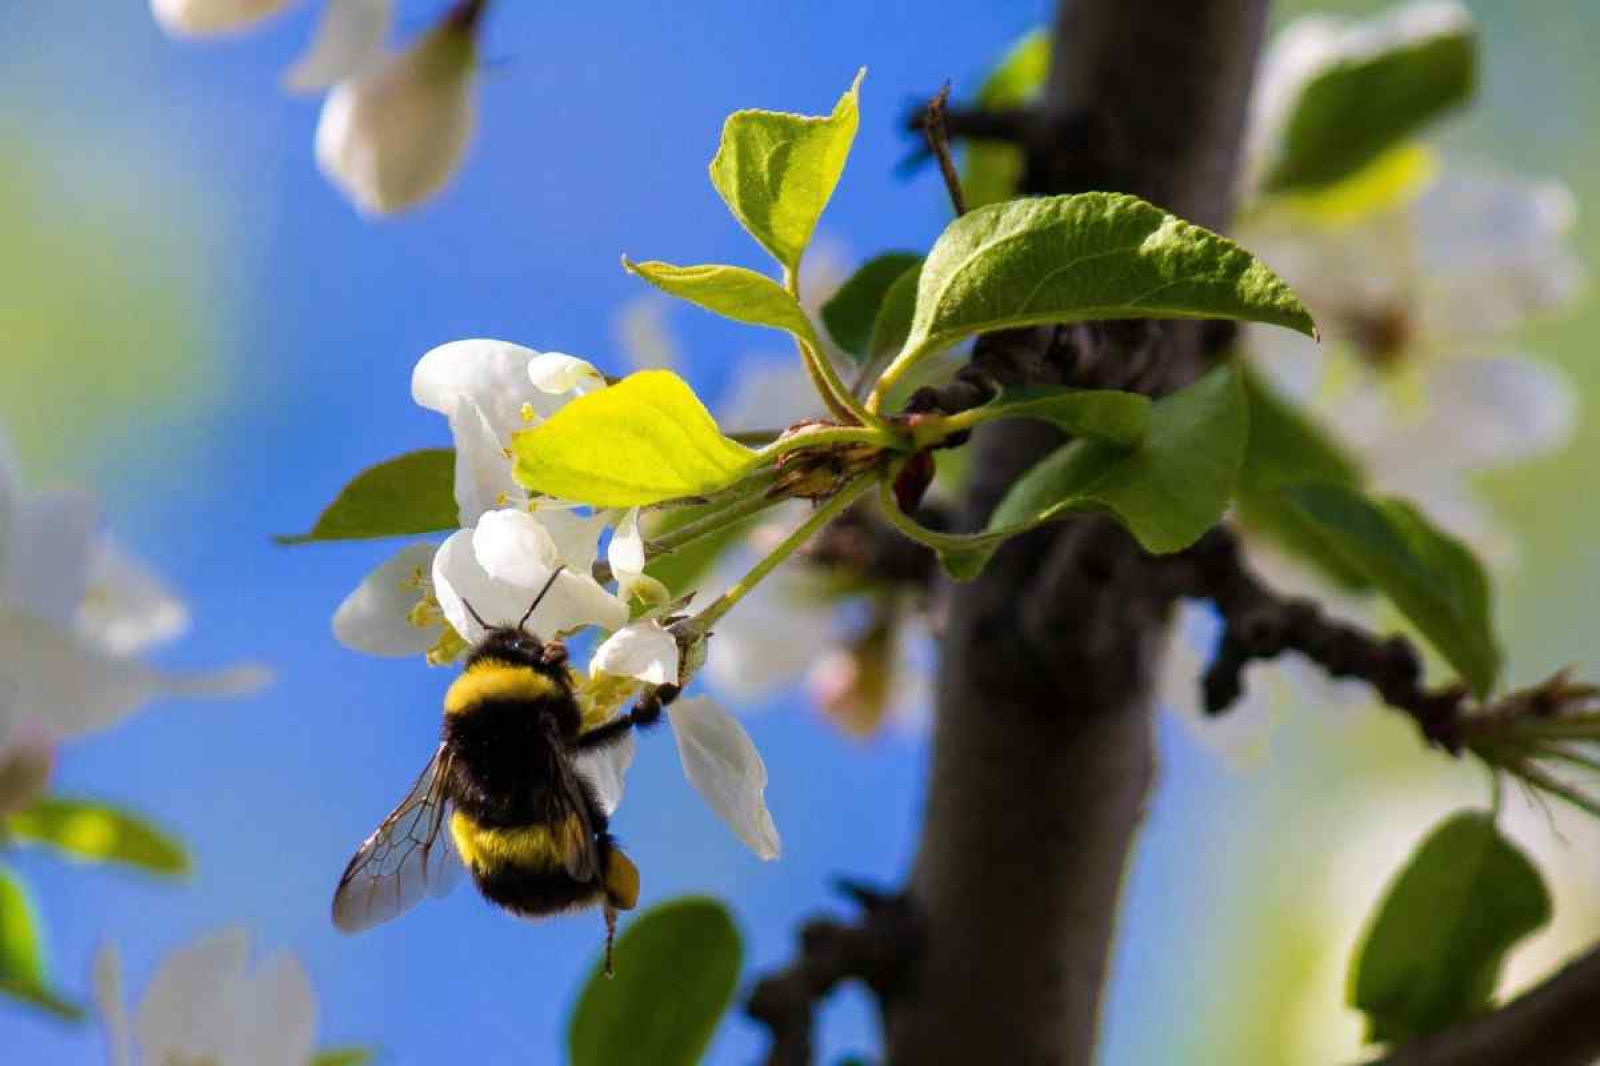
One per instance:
(515, 643)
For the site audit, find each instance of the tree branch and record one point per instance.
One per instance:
(1555, 1024)
(1042, 747)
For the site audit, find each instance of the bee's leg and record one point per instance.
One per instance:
(555, 653)
(611, 936)
(645, 713)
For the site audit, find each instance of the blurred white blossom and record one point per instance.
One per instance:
(75, 610)
(206, 1004)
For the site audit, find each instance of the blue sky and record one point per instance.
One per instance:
(295, 373)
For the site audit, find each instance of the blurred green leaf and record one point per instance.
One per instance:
(1286, 449)
(993, 169)
(1120, 418)
(1434, 951)
(413, 493)
(734, 292)
(1432, 578)
(1086, 256)
(22, 969)
(93, 832)
(1168, 491)
(344, 1056)
(677, 965)
(850, 312)
(1388, 86)
(892, 323)
(645, 439)
(777, 171)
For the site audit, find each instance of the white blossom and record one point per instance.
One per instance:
(393, 134)
(349, 38)
(385, 615)
(645, 651)
(74, 610)
(723, 765)
(206, 1004)
(204, 18)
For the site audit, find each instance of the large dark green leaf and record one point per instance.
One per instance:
(1389, 83)
(1433, 579)
(676, 968)
(1288, 449)
(414, 493)
(850, 312)
(1435, 948)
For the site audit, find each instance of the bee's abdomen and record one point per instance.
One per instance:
(520, 867)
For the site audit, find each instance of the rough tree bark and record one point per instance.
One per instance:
(1042, 749)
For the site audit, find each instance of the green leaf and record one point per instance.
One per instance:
(851, 312)
(676, 968)
(681, 569)
(344, 1056)
(22, 967)
(1088, 256)
(730, 291)
(1168, 491)
(414, 493)
(93, 832)
(1430, 576)
(1434, 950)
(645, 439)
(776, 171)
(1392, 79)
(1287, 449)
(993, 169)
(892, 324)
(1119, 418)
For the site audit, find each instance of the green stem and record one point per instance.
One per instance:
(715, 522)
(891, 374)
(821, 517)
(1555, 787)
(823, 436)
(840, 400)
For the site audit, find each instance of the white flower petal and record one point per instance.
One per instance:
(771, 639)
(376, 617)
(556, 373)
(625, 553)
(607, 769)
(393, 135)
(192, 1003)
(50, 535)
(72, 688)
(723, 765)
(575, 600)
(514, 549)
(349, 37)
(106, 980)
(644, 650)
(577, 536)
(200, 18)
(279, 1022)
(483, 478)
(127, 607)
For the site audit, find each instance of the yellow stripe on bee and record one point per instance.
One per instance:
(528, 847)
(490, 679)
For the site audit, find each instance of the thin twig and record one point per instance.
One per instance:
(933, 130)
(873, 950)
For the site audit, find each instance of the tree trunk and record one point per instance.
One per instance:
(1042, 750)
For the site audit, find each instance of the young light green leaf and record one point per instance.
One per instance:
(993, 169)
(22, 966)
(93, 832)
(850, 313)
(1167, 491)
(413, 493)
(676, 968)
(1119, 418)
(1088, 256)
(1286, 449)
(1430, 576)
(344, 1056)
(645, 439)
(730, 291)
(1433, 953)
(776, 171)
(1389, 80)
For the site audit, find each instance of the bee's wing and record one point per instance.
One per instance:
(578, 852)
(404, 859)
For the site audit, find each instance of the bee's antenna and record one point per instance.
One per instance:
(473, 611)
(537, 599)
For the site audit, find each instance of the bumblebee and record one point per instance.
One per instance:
(502, 797)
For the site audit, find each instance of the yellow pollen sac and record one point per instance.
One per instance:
(622, 881)
(529, 415)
